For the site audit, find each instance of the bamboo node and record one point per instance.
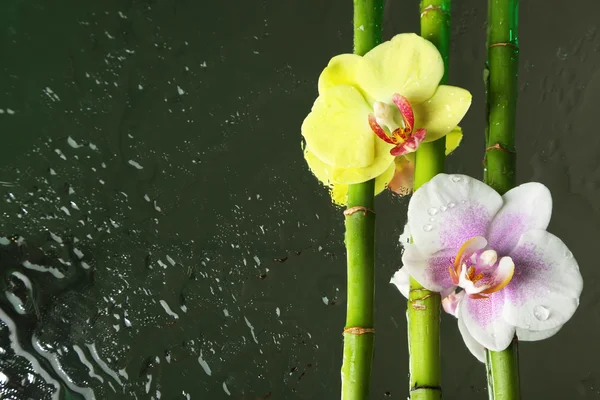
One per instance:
(504, 44)
(357, 330)
(421, 298)
(356, 209)
(432, 7)
(498, 146)
(426, 387)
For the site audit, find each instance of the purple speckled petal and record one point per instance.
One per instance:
(431, 272)
(525, 335)
(544, 291)
(450, 209)
(526, 207)
(483, 319)
(401, 280)
(473, 345)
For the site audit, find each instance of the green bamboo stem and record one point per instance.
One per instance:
(360, 242)
(424, 306)
(503, 373)
(500, 161)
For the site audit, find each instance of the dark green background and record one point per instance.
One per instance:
(223, 163)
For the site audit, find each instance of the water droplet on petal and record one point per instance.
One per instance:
(427, 228)
(541, 313)
(451, 205)
(456, 178)
(432, 211)
(443, 208)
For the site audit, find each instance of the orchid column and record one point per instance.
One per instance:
(501, 86)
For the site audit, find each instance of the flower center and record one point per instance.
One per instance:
(478, 270)
(394, 125)
(387, 117)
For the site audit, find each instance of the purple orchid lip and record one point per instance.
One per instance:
(405, 140)
(478, 271)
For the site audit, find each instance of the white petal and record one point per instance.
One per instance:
(431, 272)
(525, 207)
(473, 345)
(450, 303)
(402, 281)
(405, 236)
(544, 291)
(450, 209)
(525, 335)
(483, 318)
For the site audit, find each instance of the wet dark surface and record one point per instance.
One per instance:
(151, 162)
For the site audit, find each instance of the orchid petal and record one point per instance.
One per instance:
(405, 236)
(339, 191)
(406, 110)
(525, 207)
(378, 130)
(544, 291)
(525, 335)
(410, 145)
(466, 250)
(381, 163)
(453, 139)
(401, 280)
(450, 302)
(430, 271)
(473, 345)
(501, 277)
(484, 321)
(442, 112)
(450, 209)
(407, 64)
(341, 70)
(337, 129)
(402, 182)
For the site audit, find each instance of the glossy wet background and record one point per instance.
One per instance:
(170, 242)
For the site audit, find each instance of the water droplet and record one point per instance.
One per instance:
(432, 211)
(431, 219)
(541, 313)
(451, 205)
(456, 178)
(427, 228)
(443, 208)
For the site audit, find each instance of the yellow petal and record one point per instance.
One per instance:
(341, 70)
(408, 65)
(381, 162)
(453, 139)
(321, 170)
(337, 129)
(339, 191)
(442, 112)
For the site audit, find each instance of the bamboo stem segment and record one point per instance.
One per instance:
(500, 160)
(424, 306)
(360, 241)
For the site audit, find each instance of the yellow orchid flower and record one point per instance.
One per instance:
(374, 108)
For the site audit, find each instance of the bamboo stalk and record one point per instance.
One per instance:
(360, 241)
(424, 306)
(500, 161)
